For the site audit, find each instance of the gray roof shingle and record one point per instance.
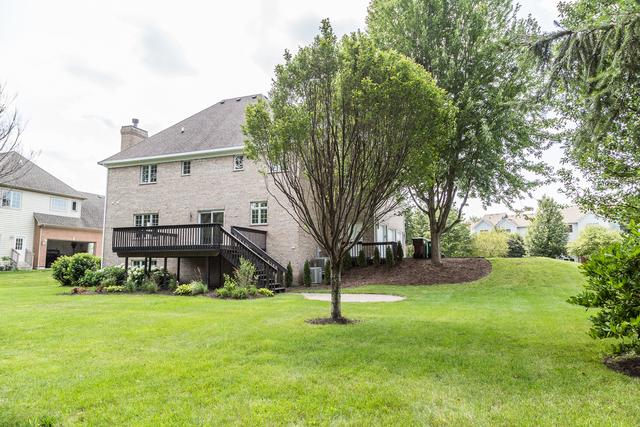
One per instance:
(91, 216)
(32, 177)
(218, 126)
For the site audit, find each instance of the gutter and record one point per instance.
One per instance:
(164, 158)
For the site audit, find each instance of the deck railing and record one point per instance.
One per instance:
(160, 238)
(370, 247)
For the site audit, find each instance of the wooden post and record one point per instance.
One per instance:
(208, 270)
(126, 265)
(165, 263)
(220, 280)
(178, 271)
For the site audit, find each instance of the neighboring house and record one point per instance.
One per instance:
(502, 221)
(42, 218)
(188, 198)
(575, 220)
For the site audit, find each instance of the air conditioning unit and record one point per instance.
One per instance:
(316, 275)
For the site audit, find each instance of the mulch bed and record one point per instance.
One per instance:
(419, 272)
(330, 321)
(628, 365)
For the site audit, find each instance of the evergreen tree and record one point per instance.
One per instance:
(400, 252)
(362, 259)
(389, 258)
(516, 246)
(376, 256)
(307, 274)
(547, 234)
(288, 276)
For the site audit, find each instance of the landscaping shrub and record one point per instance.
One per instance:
(114, 289)
(183, 290)
(59, 270)
(592, 240)
(79, 264)
(326, 274)
(265, 292)
(242, 284)
(162, 278)
(149, 286)
(105, 276)
(400, 252)
(198, 288)
(491, 244)
(389, 258)
(347, 262)
(362, 259)
(306, 279)
(288, 276)
(110, 281)
(376, 256)
(135, 278)
(515, 246)
(613, 286)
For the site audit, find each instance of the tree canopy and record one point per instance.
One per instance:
(593, 65)
(343, 119)
(548, 233)
(473, 49)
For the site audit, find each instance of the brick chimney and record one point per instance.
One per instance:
(131, 135)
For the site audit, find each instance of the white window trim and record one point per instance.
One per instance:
(15, 243)
(12, 193)
(259, 209)
(143, 215)
(149, 166)
(211, 211)
(235, 168)
(182, 168)
(57, 209)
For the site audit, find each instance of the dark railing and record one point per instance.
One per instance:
(370, 247)
(196, 237)
(240, 234)
(257, 237)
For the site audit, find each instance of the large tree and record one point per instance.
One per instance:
(594, 73)
(474, 50)
(455, 243)
(548, 233)
(342, 121)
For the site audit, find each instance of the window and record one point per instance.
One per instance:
(145, 220)
(258, 213)
(275, 168)
(74, 206)
(238, 163)
(186, 168)
(148, 174)
(139, 263)
(58, 204)
(570, 228)
(11, 199)
(19, 243)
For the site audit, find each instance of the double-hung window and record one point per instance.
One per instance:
(238, 163)
(11, 199)
(19, 243)
(148, 174)
(145, 220)
(186, 168)
(258, 213)
(58, 204)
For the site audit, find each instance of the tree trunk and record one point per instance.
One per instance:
(436, 256)
(336, 311)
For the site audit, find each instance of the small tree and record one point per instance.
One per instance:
(343, 120)
(592, 240)
(491, 244)
(389, 258)
(306, 279)
(288, 276)
(516, 246)
(400, 251)
(548, 233)
(326, 274)
(376, 256)
(613, 287)
(362, 259)
(346, 262)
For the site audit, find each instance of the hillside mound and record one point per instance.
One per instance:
(419, 272)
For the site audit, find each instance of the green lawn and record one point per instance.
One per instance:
(505, 350)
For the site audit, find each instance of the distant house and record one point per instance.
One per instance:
(574, 218)
(42, 218)
(187, 198)
(502, 221)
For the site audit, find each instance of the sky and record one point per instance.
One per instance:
(80, 70)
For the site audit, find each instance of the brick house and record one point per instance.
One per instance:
(42, 217)
(188, 198)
